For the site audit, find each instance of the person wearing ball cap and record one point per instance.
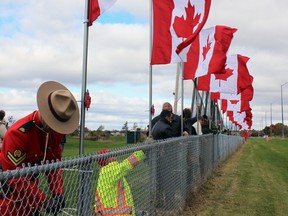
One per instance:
(36, 139)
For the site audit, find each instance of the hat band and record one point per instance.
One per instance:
(53, 111)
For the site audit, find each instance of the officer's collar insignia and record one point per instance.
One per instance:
(17, 157)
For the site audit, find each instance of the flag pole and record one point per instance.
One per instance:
(150, 100)
(83, 207)
(150, 74)
(182, 95)
(176, 88)
(197, 104)
(193, 97)
(84, 79)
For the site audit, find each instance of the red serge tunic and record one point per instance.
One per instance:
(25, 142)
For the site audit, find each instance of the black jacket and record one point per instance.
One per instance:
(175, 125)
(188, 123)
(162, 130)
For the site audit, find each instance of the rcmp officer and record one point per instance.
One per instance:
(36, 139)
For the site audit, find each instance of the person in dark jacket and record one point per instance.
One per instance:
(175, 122)
(189, 121)
(205, 125)
(162, 128)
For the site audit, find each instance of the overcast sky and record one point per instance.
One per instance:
(43, 40)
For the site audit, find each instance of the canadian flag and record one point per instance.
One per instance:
(235, 79)
(239, 79)
(207, 53)
(248, 118)
(247, 95)
(239, 101)
(176, 23)
(240, 119)
(98, 7)
(237, 105)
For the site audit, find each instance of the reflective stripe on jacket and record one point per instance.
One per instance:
(121, 207)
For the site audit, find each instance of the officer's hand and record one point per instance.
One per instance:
(54, 204)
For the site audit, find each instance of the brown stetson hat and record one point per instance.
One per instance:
(58, 107)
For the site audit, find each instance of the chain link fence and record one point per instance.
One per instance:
(160, 183)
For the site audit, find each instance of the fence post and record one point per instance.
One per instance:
(196, 173)
(153, 188)
(84, 192)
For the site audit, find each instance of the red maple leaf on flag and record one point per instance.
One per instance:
(224, 76)
(184, 27)
(234, 101)
(206, 48)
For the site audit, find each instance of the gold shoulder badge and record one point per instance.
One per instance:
(17, 157)
(22, 129)
(27, 126)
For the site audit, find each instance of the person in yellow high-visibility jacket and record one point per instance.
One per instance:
(113, 194)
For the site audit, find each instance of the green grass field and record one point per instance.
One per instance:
(71, 147)
(254, 181)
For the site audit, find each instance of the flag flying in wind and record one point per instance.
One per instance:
(242, 118)
(247, 95)
(235, 90)
(207, 53)
(235, 80)
(97, 7)
(238, 80)
(203, 16)
(244, 97)
(176, 22)
(236, 105)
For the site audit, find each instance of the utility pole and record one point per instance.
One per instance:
(282, 109)
(270, 119)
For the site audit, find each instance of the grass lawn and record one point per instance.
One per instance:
(254, 181)
(71, 147)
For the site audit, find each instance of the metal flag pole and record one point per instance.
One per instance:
(150, 100)
(193, 97)
(176, 92)
(84, 79)
(150, 74)
(84, 190)
(182, 95)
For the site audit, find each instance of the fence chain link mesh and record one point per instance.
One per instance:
(160, 184)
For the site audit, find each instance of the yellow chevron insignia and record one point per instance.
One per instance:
(22, 129)
(17, 157)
